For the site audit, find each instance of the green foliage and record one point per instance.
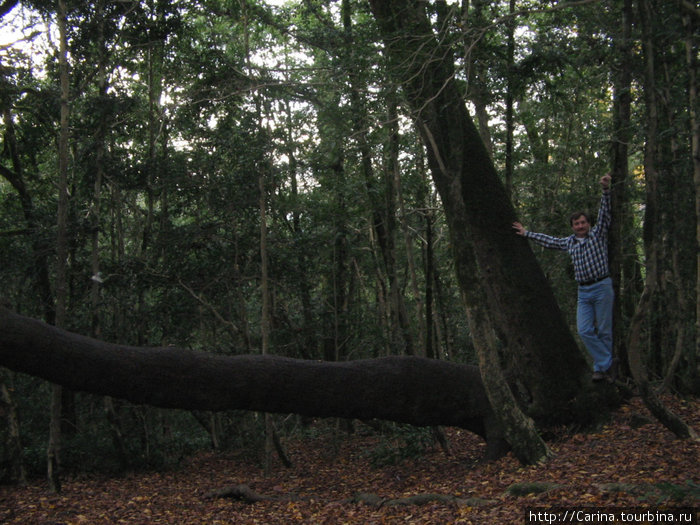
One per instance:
(198, 100)
(150, 438)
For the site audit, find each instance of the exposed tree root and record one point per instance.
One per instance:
(643, 492)
(245, 494)
(419, 499)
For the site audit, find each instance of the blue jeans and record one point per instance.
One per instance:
(594, 318)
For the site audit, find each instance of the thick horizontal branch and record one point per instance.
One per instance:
(410, 390)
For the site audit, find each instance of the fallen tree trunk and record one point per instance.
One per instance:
(418, 391)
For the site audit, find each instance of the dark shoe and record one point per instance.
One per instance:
(597, 376)
(611, 373)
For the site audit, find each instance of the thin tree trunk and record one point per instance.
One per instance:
(154, 59)
(430, 347)
(692, 62)
(13, 439)
(394, 170)
(678, 186)
(339, 300)
(96, 219)
(621, 265)
(444, 336)
(639, 373)
(302, 256)
(510, 98)
(95, 216)
(265, 315)
(54, 448)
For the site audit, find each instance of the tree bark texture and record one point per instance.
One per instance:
(518, 429)
(622, 265)
(525, 313)
(691, 46)
(414, 390)
(13, 443)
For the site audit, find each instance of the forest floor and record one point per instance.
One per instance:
(631, 462)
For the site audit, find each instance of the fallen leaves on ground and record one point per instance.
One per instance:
(630, 462)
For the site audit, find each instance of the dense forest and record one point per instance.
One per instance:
(318, 194)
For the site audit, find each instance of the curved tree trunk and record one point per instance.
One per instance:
(665, 416)
(518, 429)
(523, 308)
(414, 390)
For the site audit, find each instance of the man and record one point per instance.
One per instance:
(588, 248)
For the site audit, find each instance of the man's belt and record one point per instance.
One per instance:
(593, 281)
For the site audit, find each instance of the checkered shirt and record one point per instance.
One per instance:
(590, 256)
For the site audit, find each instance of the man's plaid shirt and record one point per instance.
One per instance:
(590, 256)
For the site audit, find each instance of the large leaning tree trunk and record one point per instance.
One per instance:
(414, 390)
(524, 311)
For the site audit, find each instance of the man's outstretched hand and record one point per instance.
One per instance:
(519, 228)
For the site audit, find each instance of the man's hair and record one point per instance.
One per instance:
(577, 215)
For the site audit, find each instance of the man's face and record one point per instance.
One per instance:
(581, 226)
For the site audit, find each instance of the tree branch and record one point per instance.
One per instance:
(417, 391)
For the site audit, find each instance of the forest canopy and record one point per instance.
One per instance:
(248, 177)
